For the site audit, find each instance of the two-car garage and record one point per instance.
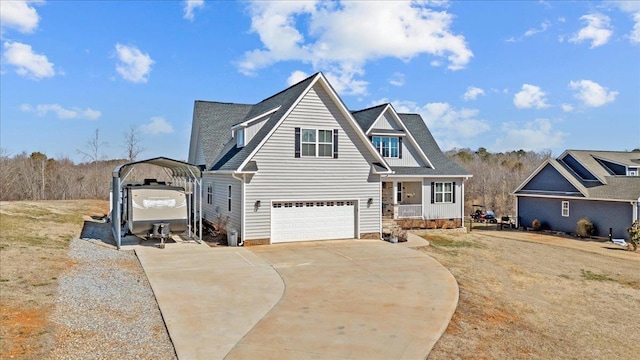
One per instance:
(313, 220)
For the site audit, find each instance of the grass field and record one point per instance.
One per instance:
(33, 253)
(541, 297)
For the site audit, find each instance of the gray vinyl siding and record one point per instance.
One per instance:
(442, 210)
(410, 156)
(220, 203)
(603, 214)
(387, 122)
(281, 176)
(251, 131)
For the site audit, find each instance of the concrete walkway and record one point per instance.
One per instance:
(358, 299)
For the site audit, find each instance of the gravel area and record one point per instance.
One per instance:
(105, 308)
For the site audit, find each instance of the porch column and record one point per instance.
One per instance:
(395, 199)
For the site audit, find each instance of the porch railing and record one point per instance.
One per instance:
(409, 211)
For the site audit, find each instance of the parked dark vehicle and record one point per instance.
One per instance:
(482, 215)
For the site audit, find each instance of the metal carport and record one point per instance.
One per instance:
(181, 173)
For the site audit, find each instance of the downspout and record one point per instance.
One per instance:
(242, 206)
(380, 201)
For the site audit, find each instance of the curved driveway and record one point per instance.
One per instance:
(358, 299)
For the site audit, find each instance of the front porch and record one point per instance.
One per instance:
(402, 199)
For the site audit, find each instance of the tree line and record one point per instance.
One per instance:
(36, 176)
(495, 176)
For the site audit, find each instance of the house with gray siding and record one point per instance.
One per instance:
(602, 186)
(299, 166)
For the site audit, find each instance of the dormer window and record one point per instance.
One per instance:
(387, 146)
(632, 171)
(240, 138)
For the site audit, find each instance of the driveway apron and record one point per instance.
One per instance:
(352, 300)
(209, 297)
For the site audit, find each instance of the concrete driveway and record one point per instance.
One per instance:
(357, 299)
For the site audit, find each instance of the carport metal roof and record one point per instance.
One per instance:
(177, 168)
(184, 172)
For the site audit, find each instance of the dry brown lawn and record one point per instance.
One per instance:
(34, 239)
(537, 296)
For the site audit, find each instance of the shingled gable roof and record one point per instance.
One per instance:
(229, 158)
(367, 117)
(608, 187)
(211, 128)
(442, 166)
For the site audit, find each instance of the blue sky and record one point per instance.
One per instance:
(502, 75)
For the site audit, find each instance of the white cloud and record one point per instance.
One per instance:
(533, 136)
(296, 77)
(133, 65)
(567, 107)
(634, 35)
(632, 8)
(27, 63)
(190, 6)
(18, 15)
(591, 93)
(61, 112)
(343, 36)
(157, 125)
(598, 30)
(397, 79)
(530, 96)
(472, 93)
(543, 27)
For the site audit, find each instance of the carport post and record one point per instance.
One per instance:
(116, 206)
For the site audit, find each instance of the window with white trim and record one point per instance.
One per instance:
(308, 142)
(315, 142)
(399, 192)
(325, 143)
(210, 194)
(229, 198)
(443, 192)
(386, 146)
(565, 208)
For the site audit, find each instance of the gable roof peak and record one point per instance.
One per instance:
(305, 80)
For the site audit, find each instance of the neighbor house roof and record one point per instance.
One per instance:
(605, 187)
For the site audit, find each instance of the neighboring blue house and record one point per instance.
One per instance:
(602, 186)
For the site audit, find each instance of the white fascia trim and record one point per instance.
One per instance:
(570, 152)
(373, 171)
(373, 133)
(569, 198)
(413, 141)
(255, 118)
(553, 163)
(342, 108)
(464, 177)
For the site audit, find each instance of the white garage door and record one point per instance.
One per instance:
(312, 220)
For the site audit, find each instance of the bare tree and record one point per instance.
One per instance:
(93, 146)
(92, 155)
(131, 140)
